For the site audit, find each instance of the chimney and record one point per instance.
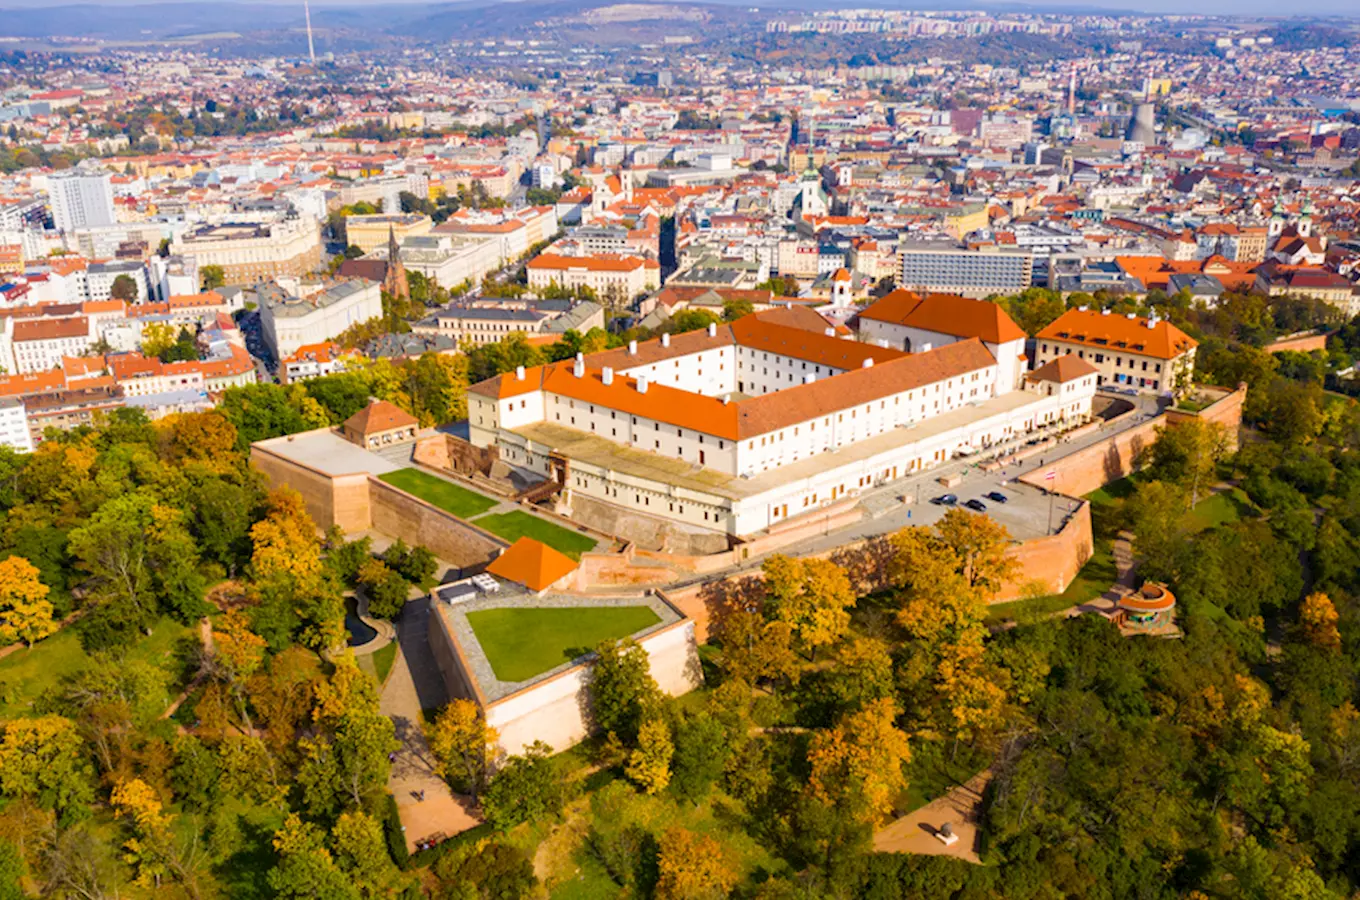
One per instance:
(666, 339)
(727, 398)
(712, 329)
(519, 373)
(830, 332)
(632, 348)
(1082, 308)
(1104, 312)
(607, 375)
(642, 384)
(809, 378)
(1133, 315)
(868, 362)
(579, 367)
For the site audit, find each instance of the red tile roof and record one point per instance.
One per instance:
(532, 564)
(946, 314)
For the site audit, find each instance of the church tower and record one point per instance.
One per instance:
(394, 283)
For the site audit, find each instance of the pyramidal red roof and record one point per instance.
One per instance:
(532, 564)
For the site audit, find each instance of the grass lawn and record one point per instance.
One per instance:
(523, 642)
(383, 660)
(514, 525)
(25, 674)
(1093, 580)
(1221, 509)
(446, 495)
(1114, 491)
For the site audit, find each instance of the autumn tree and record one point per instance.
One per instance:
(1317, 622)
(463, 744)
(25, 612)
(755, 649)
(980, 544)
(361, 853)
(622, 690)
(157, 338)
(858, 764)
(693, 867)
(812, 596)
(649, 765)
(43, 759)
(306, 870)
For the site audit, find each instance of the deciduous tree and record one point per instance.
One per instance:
(693, 867)
(812, 596)
(25, 613)
(858, 764)
(622, 690)
(464, 745)
(649, 765)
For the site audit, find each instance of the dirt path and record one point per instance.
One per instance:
(915, 832)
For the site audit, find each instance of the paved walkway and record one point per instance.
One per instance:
(414, 685)
(915, 832)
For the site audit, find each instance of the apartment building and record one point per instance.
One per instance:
(368, 233)
(313, 361)
(1148, 355)
(80, 198)
(36, 345)
(251, 252)
(290, 321)
(14, 432)
(970, 273)
(608, 275)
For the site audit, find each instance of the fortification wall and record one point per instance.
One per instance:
(331, 500)
(401, 515)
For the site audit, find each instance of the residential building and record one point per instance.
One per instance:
(313, 361)
(971, 273)
(608, 275)
(80, 199)
(289, 321)
(1149, 355)
(14, 432)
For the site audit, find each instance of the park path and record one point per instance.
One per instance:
(205, 635)
(424, 802)
(915, 832)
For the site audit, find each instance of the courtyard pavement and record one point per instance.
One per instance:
(915, 832)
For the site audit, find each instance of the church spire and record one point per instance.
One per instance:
(393, 250)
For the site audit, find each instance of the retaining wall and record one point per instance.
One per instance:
(401, 515)
(331, 500)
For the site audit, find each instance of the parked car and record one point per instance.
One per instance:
(945, 500)
(976, 505)
(997, 496)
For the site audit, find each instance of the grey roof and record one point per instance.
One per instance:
(284, 305)
(490, 314)
(577, 316)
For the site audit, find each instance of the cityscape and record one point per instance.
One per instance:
(614, 451)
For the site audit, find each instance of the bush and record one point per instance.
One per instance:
(527, 788)
(495, 870)
(346, 558)
(396, 838)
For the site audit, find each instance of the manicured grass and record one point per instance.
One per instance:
(1093, 580)
(446, 495)
(383, 660)
(523, 642)
(1221, 509)
(514, 525)
(26, 673)
(1114, 491)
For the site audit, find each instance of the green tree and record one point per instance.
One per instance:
(306, 870)
(43, 759)
(649, 765)
(526, 788)
(622, 690)
(124, 288)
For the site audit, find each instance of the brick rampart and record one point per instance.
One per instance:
(331, 500)
(401, 515)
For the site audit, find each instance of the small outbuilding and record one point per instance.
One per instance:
(380, 424)
(533, 564)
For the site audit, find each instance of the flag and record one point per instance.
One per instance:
(1050, 474)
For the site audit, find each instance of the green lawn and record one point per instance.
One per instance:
(1093, 580)
(446, 495)
(25, 674)
(523, 642)
(1220, 509)
(383, 660)
(514, 525)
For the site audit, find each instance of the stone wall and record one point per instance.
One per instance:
(1306, 344)
(448, 655)
(1053, 561)
(401, 515)
(646, 531)
(331, 500)
(453, 454)
(557, 709)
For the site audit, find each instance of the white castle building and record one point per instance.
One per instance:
(747, 425)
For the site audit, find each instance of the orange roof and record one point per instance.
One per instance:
(603, 262)
(1063, 369)
(1092, 328)
(379, 416)
(532, 564)
(946, 314)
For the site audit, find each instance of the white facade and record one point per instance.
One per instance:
(81, 199)
(291, 322)
(14, 426)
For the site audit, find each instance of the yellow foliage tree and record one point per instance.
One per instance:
(649, 766)
(157, 337)
(463, 744)
(1317, 621)
(813, 596)
(148, 847)
(25, 613)
(285, 541)
(240, 649)
(693, 867)
(858, 764)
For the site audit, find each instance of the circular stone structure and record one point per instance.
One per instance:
(1148, 609)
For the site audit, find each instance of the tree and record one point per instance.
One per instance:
(813, 596)
(693, 867)
(858, 764)
(702, 750)
(124, 288)
(306, 870)
(463, 744)
(149, 847)
(622, 690)
(526, 789)
(649, 765)
(979, 543)
(1187, 455)
(387, 590)
(261, 411)
(1156, 515)
(43, 759)
(213, 277)
(25, 612)
(755, 649)
(361, 853)
(157, 338)
(1317, 622)
(11, 872)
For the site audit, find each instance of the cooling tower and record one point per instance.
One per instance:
(1141, 125)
